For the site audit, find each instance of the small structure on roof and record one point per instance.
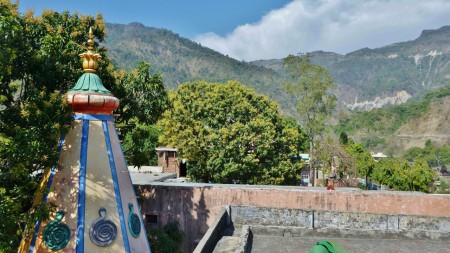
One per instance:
(168, 160)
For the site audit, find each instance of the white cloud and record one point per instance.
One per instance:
(339, 26)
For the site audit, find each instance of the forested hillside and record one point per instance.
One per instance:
(402, 126)
(182, 60)
(366, 78)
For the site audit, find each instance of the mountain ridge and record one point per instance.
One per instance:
(366, 78)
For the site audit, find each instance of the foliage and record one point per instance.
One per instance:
(38, 62)
(230, 133)
(331, 154)
(434, 155)
(166, 240)
(363, 159)
(310, 85)
(400, 175)
(143, 99)
(443, 186)
(139, 144)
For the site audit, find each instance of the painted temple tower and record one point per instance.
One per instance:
(95, 204)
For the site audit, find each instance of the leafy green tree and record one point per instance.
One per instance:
(139, 144)
(143, 97)
(310, 85)
(229, 133)
(143, 100)
(329, 154)
(363, 159)
(400, 175)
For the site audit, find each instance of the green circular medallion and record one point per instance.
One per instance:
(134, 223)
(56, 234)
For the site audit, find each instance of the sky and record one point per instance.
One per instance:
(271, 29)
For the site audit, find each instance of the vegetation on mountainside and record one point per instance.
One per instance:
(387, 120)
(181, 60)
(229, 133)
(435, 156)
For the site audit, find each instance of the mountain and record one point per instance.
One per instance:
(400, 73)
(399, 127)
(182, 60)
(371, 78)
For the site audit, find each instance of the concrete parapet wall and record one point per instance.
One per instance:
(263, 216)
(195, 206)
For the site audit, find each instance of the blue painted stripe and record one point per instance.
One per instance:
(82, 187)
(98, 117)
(112, 164)
(134, 194)
(49, 184)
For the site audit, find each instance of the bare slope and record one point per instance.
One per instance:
(433, 125)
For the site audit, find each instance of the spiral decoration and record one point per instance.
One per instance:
(56, 233)
(102, 232)
(134, 223)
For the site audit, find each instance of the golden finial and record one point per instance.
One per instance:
(89, 58)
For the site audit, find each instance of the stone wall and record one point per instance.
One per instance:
(195, 206)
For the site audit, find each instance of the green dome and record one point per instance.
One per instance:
(90, 82)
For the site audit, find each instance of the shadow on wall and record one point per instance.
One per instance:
(186, 207)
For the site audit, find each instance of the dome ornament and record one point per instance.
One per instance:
(90, 58)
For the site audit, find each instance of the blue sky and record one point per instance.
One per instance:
(266, 29)
(188, 18)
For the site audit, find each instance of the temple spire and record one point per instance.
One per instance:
(89, 95)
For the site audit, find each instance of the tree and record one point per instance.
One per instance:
(143, 100)
(363, 160)
(401, 175)
(38, 62)
(143, 97)
(329, 152)
(228, 133)
(310, 85)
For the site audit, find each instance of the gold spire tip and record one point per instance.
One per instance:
(90, 40)
(89, 58)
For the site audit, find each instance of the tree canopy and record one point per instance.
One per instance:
(229, 133)
(143, 99)
(400, 175)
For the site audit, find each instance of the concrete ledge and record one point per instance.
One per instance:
(283, 231)
(213, 234)
(244, 240)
